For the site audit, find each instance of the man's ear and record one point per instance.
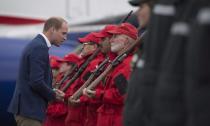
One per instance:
(52, 29)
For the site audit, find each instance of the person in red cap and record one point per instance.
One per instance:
(54, 64)
(77, 111)
(105, 39)
(57, 111)
(93, 104)
(66, 64)
(113, 94)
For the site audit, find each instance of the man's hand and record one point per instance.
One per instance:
(59, 94)
(73, 102)
(89, 93)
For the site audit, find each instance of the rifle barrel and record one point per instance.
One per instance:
(126, 18)
(81, 69)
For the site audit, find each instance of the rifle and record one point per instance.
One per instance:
(95, 73)
(114, 63)
(81, 69)
(66, 76)
(126, 18)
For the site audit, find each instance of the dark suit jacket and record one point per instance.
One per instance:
(33, 85)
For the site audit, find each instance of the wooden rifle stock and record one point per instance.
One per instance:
(98, 79)
(80, 70)
(95, 73)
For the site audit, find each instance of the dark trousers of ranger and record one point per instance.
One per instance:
(25, 121)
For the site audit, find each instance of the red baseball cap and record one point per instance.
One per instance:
(126, 29)
(54, 61)
(90, 38)
(99, 34)
(104, 32)
(72, 58)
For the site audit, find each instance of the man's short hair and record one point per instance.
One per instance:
(55, 22)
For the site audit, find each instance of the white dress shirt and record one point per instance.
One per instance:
(46, 40)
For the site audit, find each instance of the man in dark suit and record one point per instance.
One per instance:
(33, 86)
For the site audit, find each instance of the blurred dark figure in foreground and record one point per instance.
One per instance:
(169, 84)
